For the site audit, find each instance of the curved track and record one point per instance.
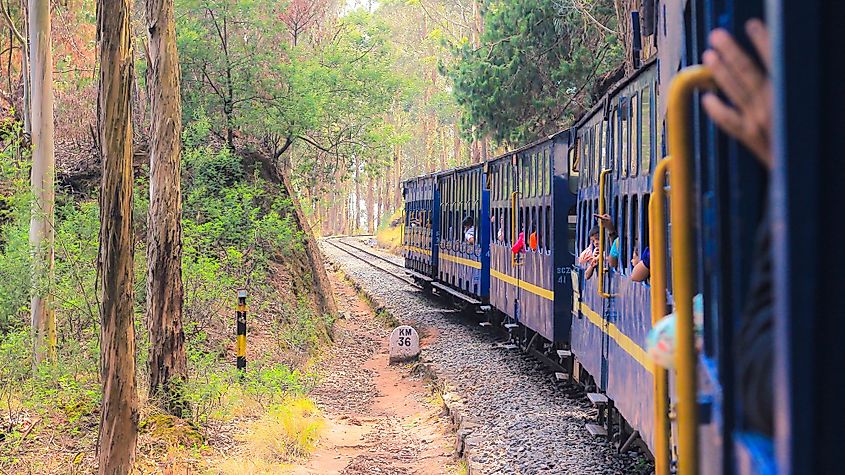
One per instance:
(343, 243)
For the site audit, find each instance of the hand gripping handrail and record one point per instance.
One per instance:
(657, 272)
(602, 210)
(678, 117)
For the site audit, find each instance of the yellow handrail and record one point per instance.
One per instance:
(602, 210)
(683, 271)
(514, 218)
(657, 271)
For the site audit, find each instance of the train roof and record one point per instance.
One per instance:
(586, 116)
(612, 91)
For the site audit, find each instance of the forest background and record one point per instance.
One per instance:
(300, 118)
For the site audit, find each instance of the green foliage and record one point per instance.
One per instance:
(217, 391)
(302, 330)
(533, 69)
(324, 95)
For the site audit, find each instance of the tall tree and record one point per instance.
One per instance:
(41, 232)
(168, 365)
(119, 414)
(533, 53)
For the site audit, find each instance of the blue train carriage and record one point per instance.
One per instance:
(421, 225)
(615, 150)
(532, 195)
(463, 258)
(713, 244)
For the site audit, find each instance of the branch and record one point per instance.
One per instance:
(7, 14)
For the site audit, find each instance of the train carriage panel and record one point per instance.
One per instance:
(462, 265)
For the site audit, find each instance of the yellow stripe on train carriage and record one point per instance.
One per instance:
(420, 250)
(527, 286)
(460, 260)
(621, 339)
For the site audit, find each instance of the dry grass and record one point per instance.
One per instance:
(287, 432)
(389, 237)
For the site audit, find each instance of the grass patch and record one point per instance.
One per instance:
(389, 236)
(387, 319)
(288, 431)
(461, 468)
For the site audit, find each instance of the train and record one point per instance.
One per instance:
(502, 238)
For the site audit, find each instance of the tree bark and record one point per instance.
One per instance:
(41, 230)
(168, 365)
(119, 414)
(397, 169)
(370, 206)
(25, 79)
(357, 222)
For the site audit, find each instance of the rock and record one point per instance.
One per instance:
(404, 344)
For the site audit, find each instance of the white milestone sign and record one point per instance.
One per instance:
(404, 344)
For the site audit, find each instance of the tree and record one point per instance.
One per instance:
(119, 414)
(168, 365)
(41, 228)
(534, 68)
(300, 15)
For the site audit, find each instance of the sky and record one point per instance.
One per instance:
(353, 4)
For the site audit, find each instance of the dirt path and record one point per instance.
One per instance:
(380, 419)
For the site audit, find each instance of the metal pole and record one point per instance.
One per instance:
(240, 347)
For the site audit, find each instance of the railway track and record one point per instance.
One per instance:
(393, 269)
(525, 420)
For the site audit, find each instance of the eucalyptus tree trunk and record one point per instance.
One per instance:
(168, 365)
(25, 79)
(371, 229)
(41, 231)
(119, 414)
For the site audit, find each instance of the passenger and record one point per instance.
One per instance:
(749, 120)
(532, 239)
(501, 234)
(641, 270)
(469, 230)
(613, 255)
(589, 257)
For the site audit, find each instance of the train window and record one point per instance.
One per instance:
(618, 219)
(613, 141)
(524, 176)
(635, 230)
(596, 152)
(542, 173)
(534, 227)
(602, 144)
(585, 158)
(644, 225)
(661, 140)
(635, 134)
(593, 155)
(626, 124)
(530, 163)
(508, 225)
(645, 160)
(624, 232)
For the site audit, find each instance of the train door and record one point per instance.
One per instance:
(518, 239)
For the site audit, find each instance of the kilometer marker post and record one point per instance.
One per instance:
(240, 343)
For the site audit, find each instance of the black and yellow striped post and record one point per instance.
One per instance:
(240, 345)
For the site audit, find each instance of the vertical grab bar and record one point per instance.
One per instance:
(678, 115)
(657, 248)
(602, 210)
(514, 227)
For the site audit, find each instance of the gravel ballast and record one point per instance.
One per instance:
(511, 417)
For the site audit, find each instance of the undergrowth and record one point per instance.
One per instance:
(234, 226)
